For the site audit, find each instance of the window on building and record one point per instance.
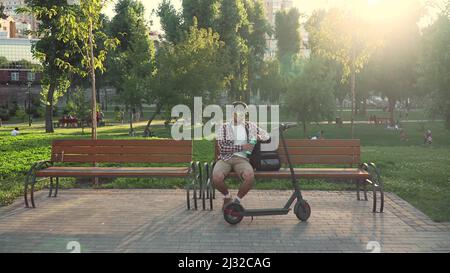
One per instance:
(30, 76)
(15, 76)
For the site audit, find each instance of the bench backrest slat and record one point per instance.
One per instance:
(327, 151)
(322, 151)
(121, 151)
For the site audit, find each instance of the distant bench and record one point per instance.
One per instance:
(110, 151)
(342, 153)
(67, 122)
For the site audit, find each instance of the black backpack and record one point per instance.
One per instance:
(262, 160)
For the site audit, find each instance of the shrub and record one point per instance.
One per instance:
(4, 113)
(21, 114)
(13, 108)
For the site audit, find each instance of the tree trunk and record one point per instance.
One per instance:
(392, 102)
(94, 93)
(153, 116)
(304, 128)
(364, 106)
(49, 109)
(353, 87)
(131, 120)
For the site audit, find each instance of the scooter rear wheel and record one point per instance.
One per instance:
(233, 213)
(302, 210)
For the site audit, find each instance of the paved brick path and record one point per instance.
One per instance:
(157, 221)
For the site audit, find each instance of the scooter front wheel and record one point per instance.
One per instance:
(302, 210)
(233, 213)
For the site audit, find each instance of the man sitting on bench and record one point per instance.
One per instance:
(233, 139)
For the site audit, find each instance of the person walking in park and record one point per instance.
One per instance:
(15, 132)
(319, 135)
(403, 135)
(236, 140)
(428, 137)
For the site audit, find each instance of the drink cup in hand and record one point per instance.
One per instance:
(250, 145)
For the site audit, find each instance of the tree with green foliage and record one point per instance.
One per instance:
(271, 84)
(82, 31)
(3, 61)
(342, 87)
(132, 64)
(312, 26)
(255, 36)
(310, 93)
(435, 65)
(339, 34)
(66, 45)
(206, 12)
(287, 27)
(231, 24)
(394, 64)
(242, 26)
(49, 50)
(189, 69)
(2, 11)
(171, 22)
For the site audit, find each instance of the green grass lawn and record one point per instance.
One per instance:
(345, 114)
(419, 174)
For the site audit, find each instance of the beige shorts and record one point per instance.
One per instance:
(236, 163)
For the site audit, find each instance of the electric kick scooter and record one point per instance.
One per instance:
(234, 212)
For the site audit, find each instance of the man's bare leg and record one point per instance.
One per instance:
(221, 170)
(219, 183)
(248, 178)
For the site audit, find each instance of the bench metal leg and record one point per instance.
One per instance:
(188, 199)
(33, 183)
(382, 200)
(190, 184)
(50, 190)
(200, 185)
(27, 183)
(195, 196)
(208, 185)
(365, 190)
(213, 188)
(357, 190)
(377, 185)
(56, 188)
(374, 189)
(208, 180)
(30, 181)
(204, 186)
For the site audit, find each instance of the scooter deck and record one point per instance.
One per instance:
(265, 212)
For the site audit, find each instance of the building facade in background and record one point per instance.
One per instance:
(7, 27)
(272, 7)
(22, 22)
(18, 70)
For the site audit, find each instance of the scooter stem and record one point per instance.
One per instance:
(294, 179)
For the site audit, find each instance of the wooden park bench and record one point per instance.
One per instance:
(333, 160)
(77, 152)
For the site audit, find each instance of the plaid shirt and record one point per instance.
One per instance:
(225, 139)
